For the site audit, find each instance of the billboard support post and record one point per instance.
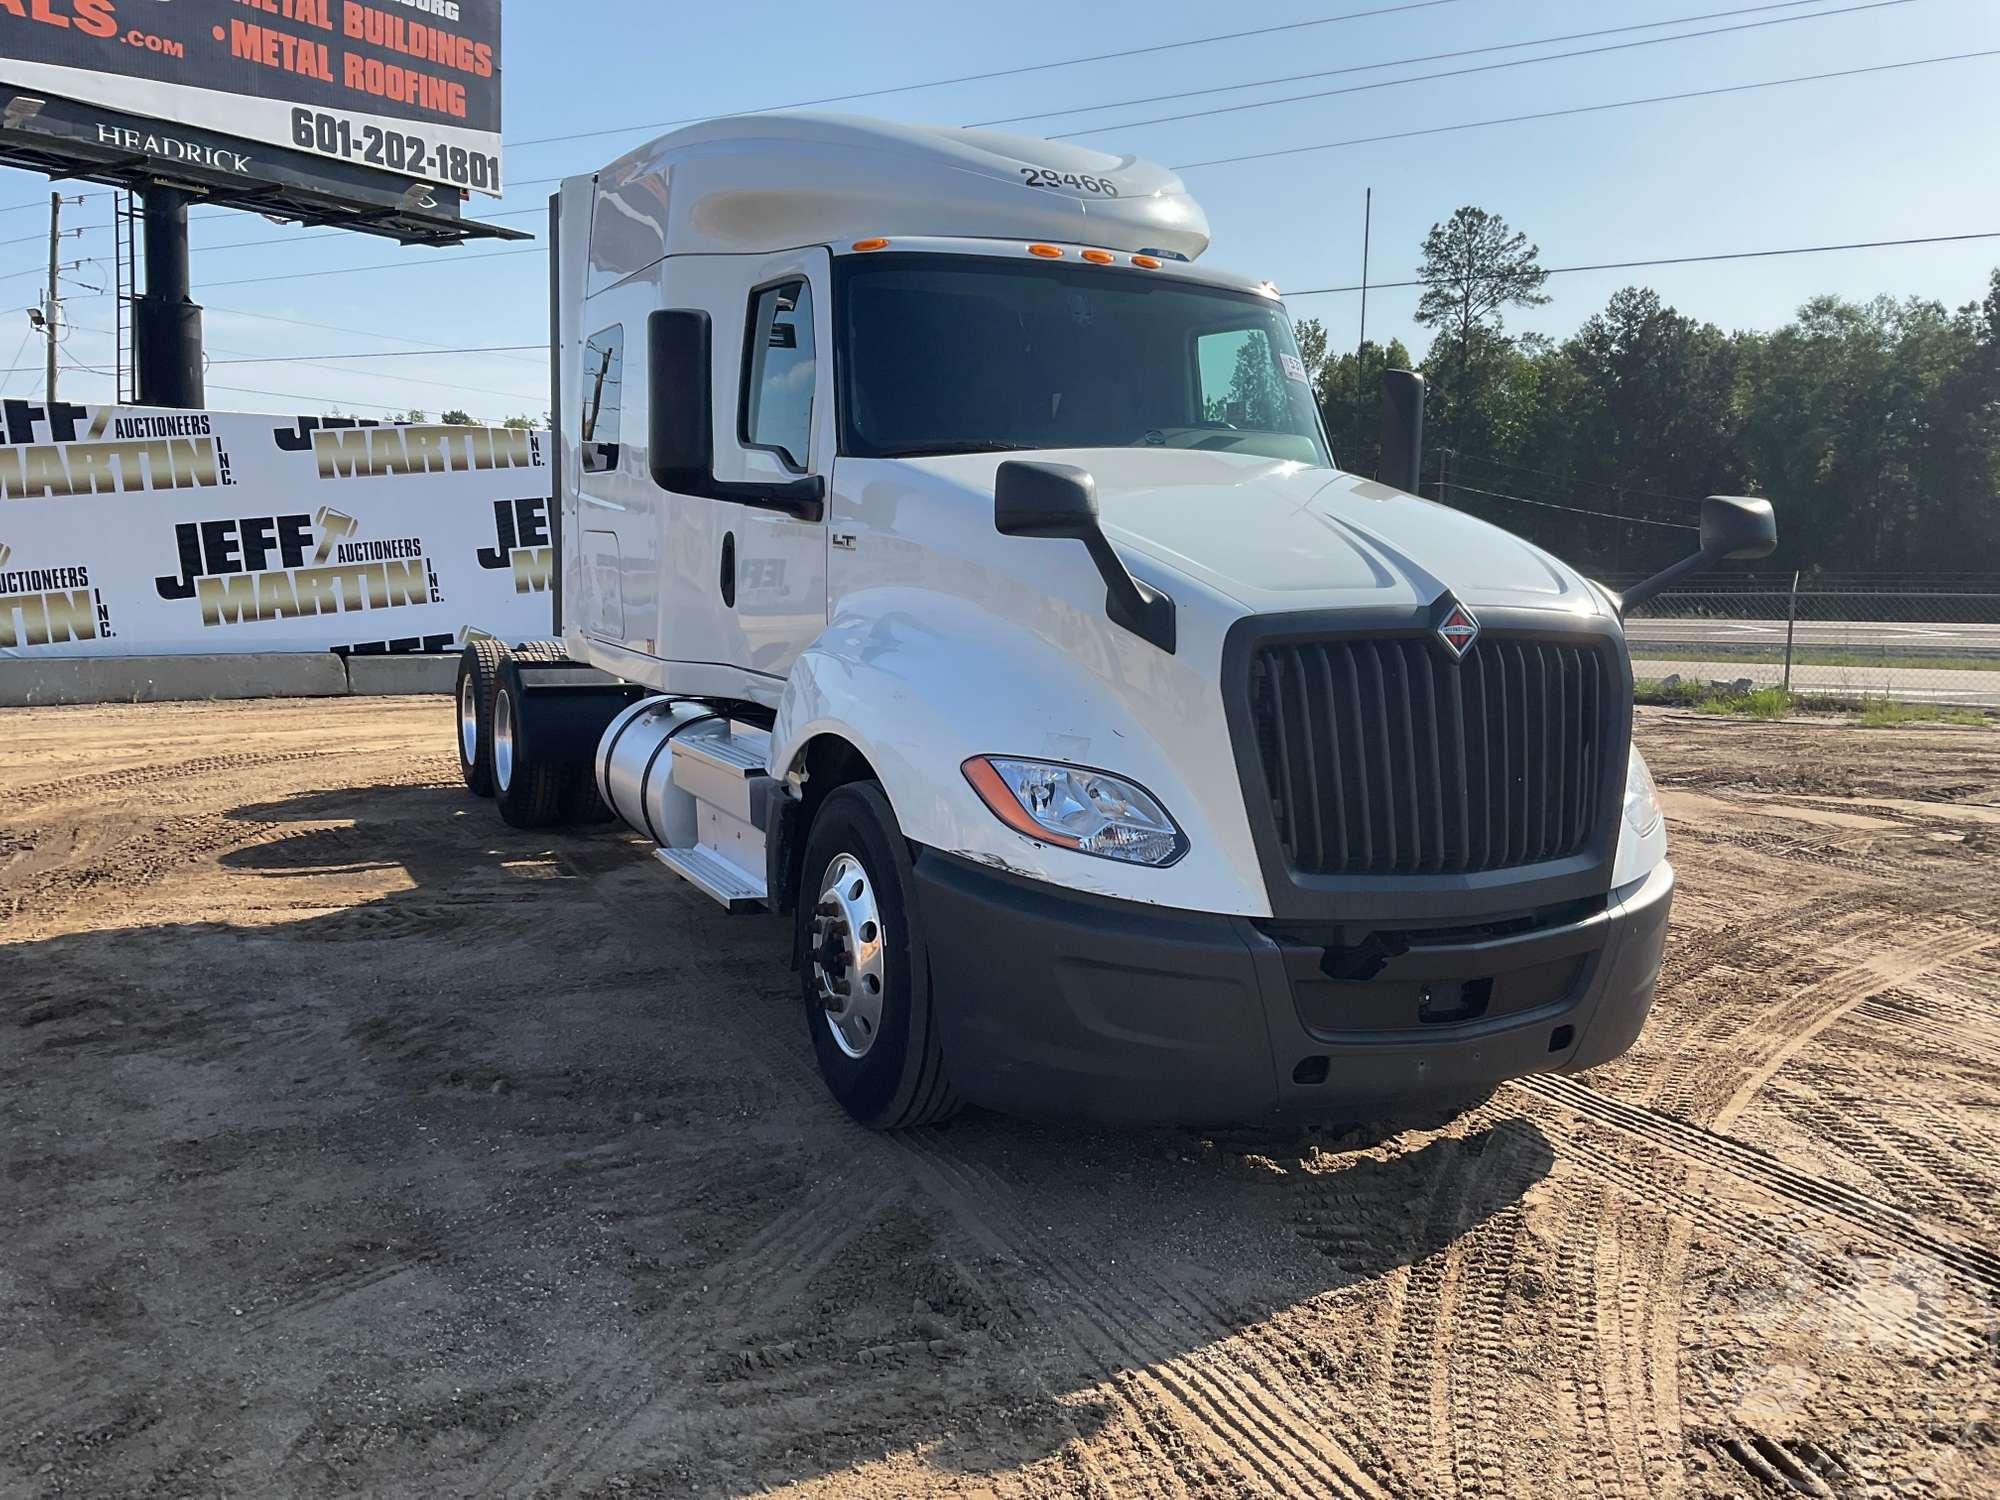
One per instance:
(166, 323)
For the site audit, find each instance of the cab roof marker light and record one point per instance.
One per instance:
(1047, 252)
(1149, 262)
(1098, 257)
(874, 242)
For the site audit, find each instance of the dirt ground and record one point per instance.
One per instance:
(352, 1142)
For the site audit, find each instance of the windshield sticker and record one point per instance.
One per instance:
(1295, 368)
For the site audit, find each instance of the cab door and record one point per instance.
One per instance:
(774, 422)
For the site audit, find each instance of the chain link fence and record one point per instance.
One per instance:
(1932, 639)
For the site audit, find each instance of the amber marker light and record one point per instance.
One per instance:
(1098, 257)
(1047, 252)
(1004, 805)
(1149, 262)
(877, 243)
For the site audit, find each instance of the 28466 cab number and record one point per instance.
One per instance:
(1048, 177)
(395, 150)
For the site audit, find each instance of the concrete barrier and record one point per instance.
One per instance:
(371, 675)
(33, 681)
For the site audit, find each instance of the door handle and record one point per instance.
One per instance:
(729, 569)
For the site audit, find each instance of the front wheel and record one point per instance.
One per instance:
(865, 971)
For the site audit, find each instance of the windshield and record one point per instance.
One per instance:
(956, 354)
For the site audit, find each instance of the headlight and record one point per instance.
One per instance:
(1642, 798)
(1074, 807)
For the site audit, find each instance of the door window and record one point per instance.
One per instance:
(603, 398)
(778, 373)
(1240, 381)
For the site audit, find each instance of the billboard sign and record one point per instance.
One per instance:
(129, 531)
(409, 88)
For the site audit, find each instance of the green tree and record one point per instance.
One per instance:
(1474, 267)
(1349, 390)
(1312, 345)
(458, 418)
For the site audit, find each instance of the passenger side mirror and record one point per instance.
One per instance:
(1402, 463)
(1734, 528)
(1060, 500)
(680, 425)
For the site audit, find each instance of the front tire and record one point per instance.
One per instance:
(865, 971)
(478, 675)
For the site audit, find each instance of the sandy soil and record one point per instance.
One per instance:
(350, 1141)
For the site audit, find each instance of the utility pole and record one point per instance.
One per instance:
(1367, 234)
(51, 302)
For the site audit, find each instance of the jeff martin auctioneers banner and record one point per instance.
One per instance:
(133, 532)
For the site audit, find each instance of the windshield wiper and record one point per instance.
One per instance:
(956, 445)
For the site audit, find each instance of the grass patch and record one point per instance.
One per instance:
(1776, 703)
(1722, 655)
(1707, 698)
(1759, 703)
(1881, 713)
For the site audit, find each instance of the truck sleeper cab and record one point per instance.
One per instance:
(948, 561)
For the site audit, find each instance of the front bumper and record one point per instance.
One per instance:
(1057, 1003)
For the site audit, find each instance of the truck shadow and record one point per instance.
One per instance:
(496, 1092)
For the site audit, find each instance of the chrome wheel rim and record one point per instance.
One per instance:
(849, 963)
(503, 741)
(468, 720)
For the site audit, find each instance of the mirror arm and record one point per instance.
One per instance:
(1661, 581)
(1137, 607)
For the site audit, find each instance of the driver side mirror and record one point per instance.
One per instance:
(1060, 500)
(680, 421)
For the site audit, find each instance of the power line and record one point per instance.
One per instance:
(1494, 67)
(1466, 489)
(392, 265)
(392, 338)
(301, 359)
(1585, 109)
(1685, 260)
(298, 359)
(1607, 484)
(1016, 72)
(43, 204)
(1399, 62)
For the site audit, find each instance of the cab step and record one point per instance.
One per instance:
(716, 877)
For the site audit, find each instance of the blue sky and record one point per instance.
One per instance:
(1891, 155)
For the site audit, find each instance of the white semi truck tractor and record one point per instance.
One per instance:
(948, 559)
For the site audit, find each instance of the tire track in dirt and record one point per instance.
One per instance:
(1795, 1025)
(1760, 1037)
(107, 786)
(120, 868)
(1908, 1018)
(1247, 1424)
(1756, 1168)
(575, 1430)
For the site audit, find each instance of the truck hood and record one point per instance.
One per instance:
(1278, 536)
